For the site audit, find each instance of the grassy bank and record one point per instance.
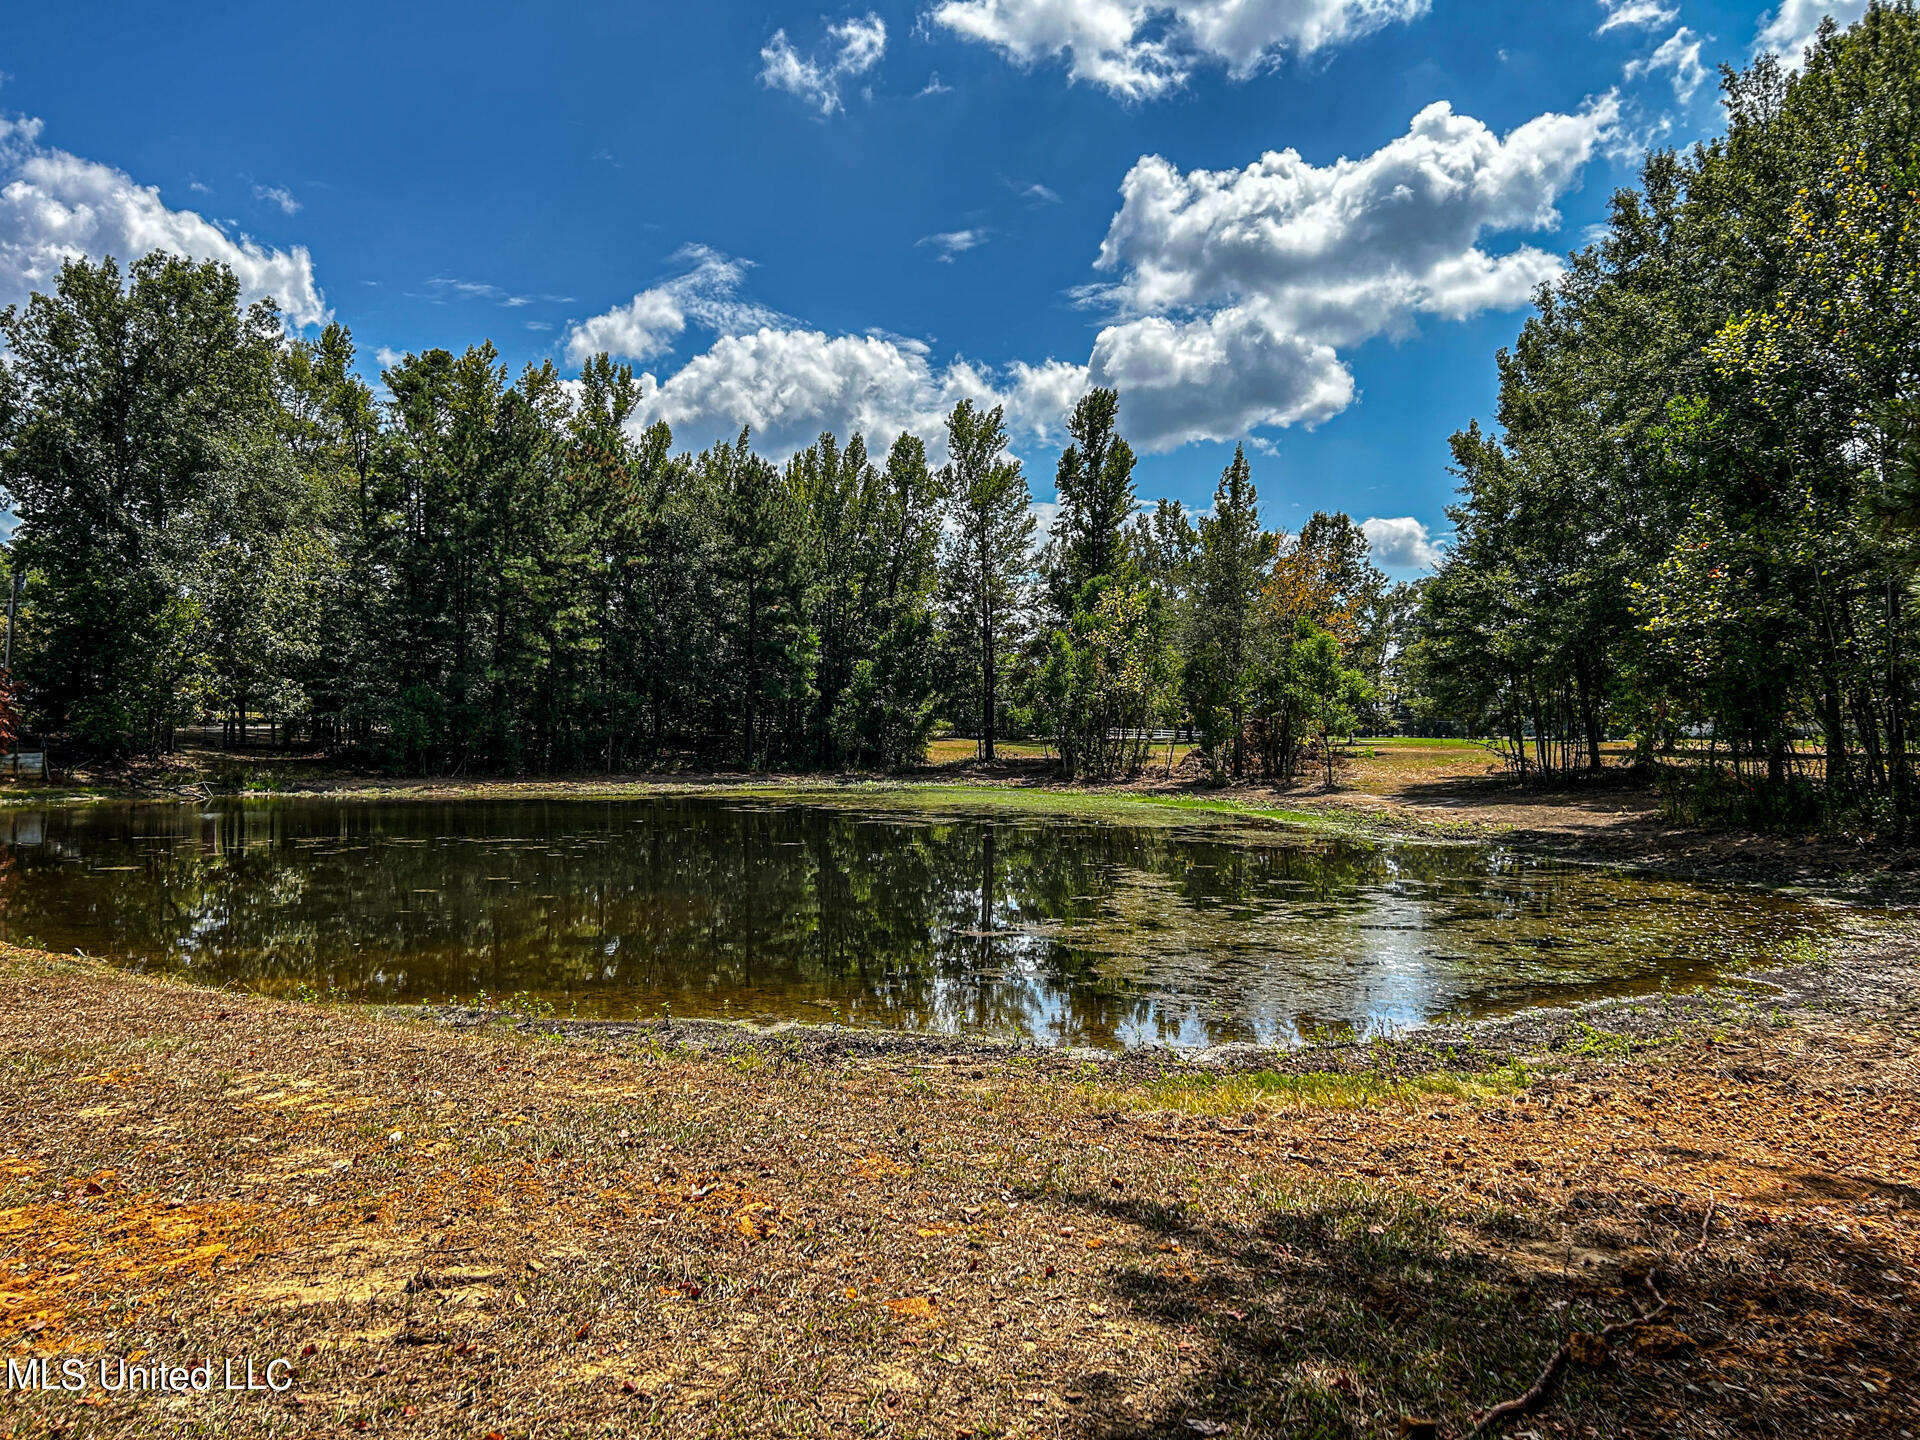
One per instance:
(470, 1232)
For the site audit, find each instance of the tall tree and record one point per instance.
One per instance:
(136, 424)
(1094, 489)
(768, 648)
(1230, 571)
(885, 715)
(989, 554)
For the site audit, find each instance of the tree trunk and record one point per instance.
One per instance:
(1896, 710)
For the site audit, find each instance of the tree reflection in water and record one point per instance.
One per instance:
(1062, 931)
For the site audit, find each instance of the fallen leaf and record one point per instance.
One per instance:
(916, 1307)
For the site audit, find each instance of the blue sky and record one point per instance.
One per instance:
(849, 217)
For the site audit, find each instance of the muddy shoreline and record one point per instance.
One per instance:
(1867, 979)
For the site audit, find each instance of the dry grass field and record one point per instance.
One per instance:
(457, 1233)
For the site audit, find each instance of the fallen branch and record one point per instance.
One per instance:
(1537, 1392)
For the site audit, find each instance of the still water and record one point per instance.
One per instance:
(1014, 924)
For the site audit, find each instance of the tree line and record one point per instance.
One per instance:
(463, 571)
(1694, 521)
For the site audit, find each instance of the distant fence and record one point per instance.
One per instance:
(29, 764)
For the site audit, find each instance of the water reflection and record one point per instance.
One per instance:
(1067, 933)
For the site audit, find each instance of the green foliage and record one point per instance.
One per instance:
(1229, 575)
(1694, 517)
(1324, 690)
(987, 567)
(1094, 488)
(135, 422)
(489, 573)
(1108, 678)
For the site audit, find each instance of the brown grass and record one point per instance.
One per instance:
(465, 1234)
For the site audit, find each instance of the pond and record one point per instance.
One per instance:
(1176, 928)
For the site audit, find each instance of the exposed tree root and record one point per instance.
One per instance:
(1537, 1392)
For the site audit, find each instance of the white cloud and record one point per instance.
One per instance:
(1040, 195)
(1636, 14)
(1234, 293)
(1788, 31)
(1238, 288)
(856, 46)
(1679, 53)
(1403, 544)
(1349, 247)
(1138, 49)
(389, 357)
(277, 195)
(1217, 377)
(933, 87)
(950, 243)
(55, 207)
(649, 324)
(789, 385)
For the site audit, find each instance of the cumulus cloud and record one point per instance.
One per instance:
(1138, 49)
(1238, 288)
(790, 384)
(648, 325)
(55, 207)
(1216, 377)
(854, 47)
(1348, 245)
(1636, 14)
(1403, 544)
(1680, 54)
(1233, 293)
(1788, 31)
(949, 243)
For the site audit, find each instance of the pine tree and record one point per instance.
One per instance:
(767, 648)
(1094, 488)
(989, 555)
(1229, 573)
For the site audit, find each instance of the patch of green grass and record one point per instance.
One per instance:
(1806, 950)
(1585, 1039)
(1414, 742)
(1311, 1090)
(1131, 809)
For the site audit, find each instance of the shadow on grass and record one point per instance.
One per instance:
(1344, 1310)
(1341, 1311)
